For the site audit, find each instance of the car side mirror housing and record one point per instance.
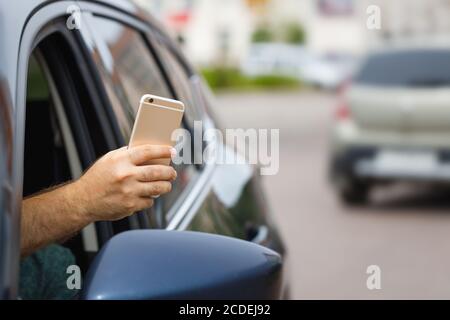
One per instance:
(159, 264)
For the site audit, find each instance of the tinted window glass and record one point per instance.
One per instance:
(184, 91)
(180, 81)
(407, 68)
(133, 71)
(137, 70)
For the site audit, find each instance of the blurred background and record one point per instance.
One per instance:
(360, 90)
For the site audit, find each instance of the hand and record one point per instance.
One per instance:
(120, 183)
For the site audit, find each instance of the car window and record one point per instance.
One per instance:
(131, 70)
(45, 160)
(184, 89)
(180, 80)
(134, 72)
(407, 68)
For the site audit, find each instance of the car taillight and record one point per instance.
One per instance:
(343, 110)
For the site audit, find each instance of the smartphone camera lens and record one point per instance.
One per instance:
(150, 100)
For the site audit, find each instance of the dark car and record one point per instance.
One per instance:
(71, 76)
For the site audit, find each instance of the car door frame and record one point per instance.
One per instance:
(40, 16)
(6, 193)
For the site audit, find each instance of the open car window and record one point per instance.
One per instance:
(51, 158)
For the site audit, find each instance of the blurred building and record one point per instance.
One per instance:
(341, 25)
(220, 32)
(210, 31)
(413, 20)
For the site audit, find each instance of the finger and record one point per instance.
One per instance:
(142, 154)
(155, 188)
(155, 173)
(116, 152)
(120, 150)
(144, 203)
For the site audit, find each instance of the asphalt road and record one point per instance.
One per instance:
(405, 230)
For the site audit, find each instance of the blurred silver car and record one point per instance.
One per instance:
(295, 61)
(328, 71)
(275, 59)
(393, 122)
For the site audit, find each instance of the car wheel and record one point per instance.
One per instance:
(354, 193)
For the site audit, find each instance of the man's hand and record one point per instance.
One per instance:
(117, 185)
(120, 183)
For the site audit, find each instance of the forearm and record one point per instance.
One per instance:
(51, 216)
(117, 185)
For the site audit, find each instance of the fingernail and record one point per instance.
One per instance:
(173, 152)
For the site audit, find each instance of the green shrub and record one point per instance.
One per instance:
(262, 34)
(227, 78)
(294, 33)
(274, 81)
(224, 78)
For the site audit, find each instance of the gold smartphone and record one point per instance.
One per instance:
(156, 120)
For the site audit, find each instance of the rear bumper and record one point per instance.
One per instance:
(344, 163)
(361, 163)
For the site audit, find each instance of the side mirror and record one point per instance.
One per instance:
(158, 264)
